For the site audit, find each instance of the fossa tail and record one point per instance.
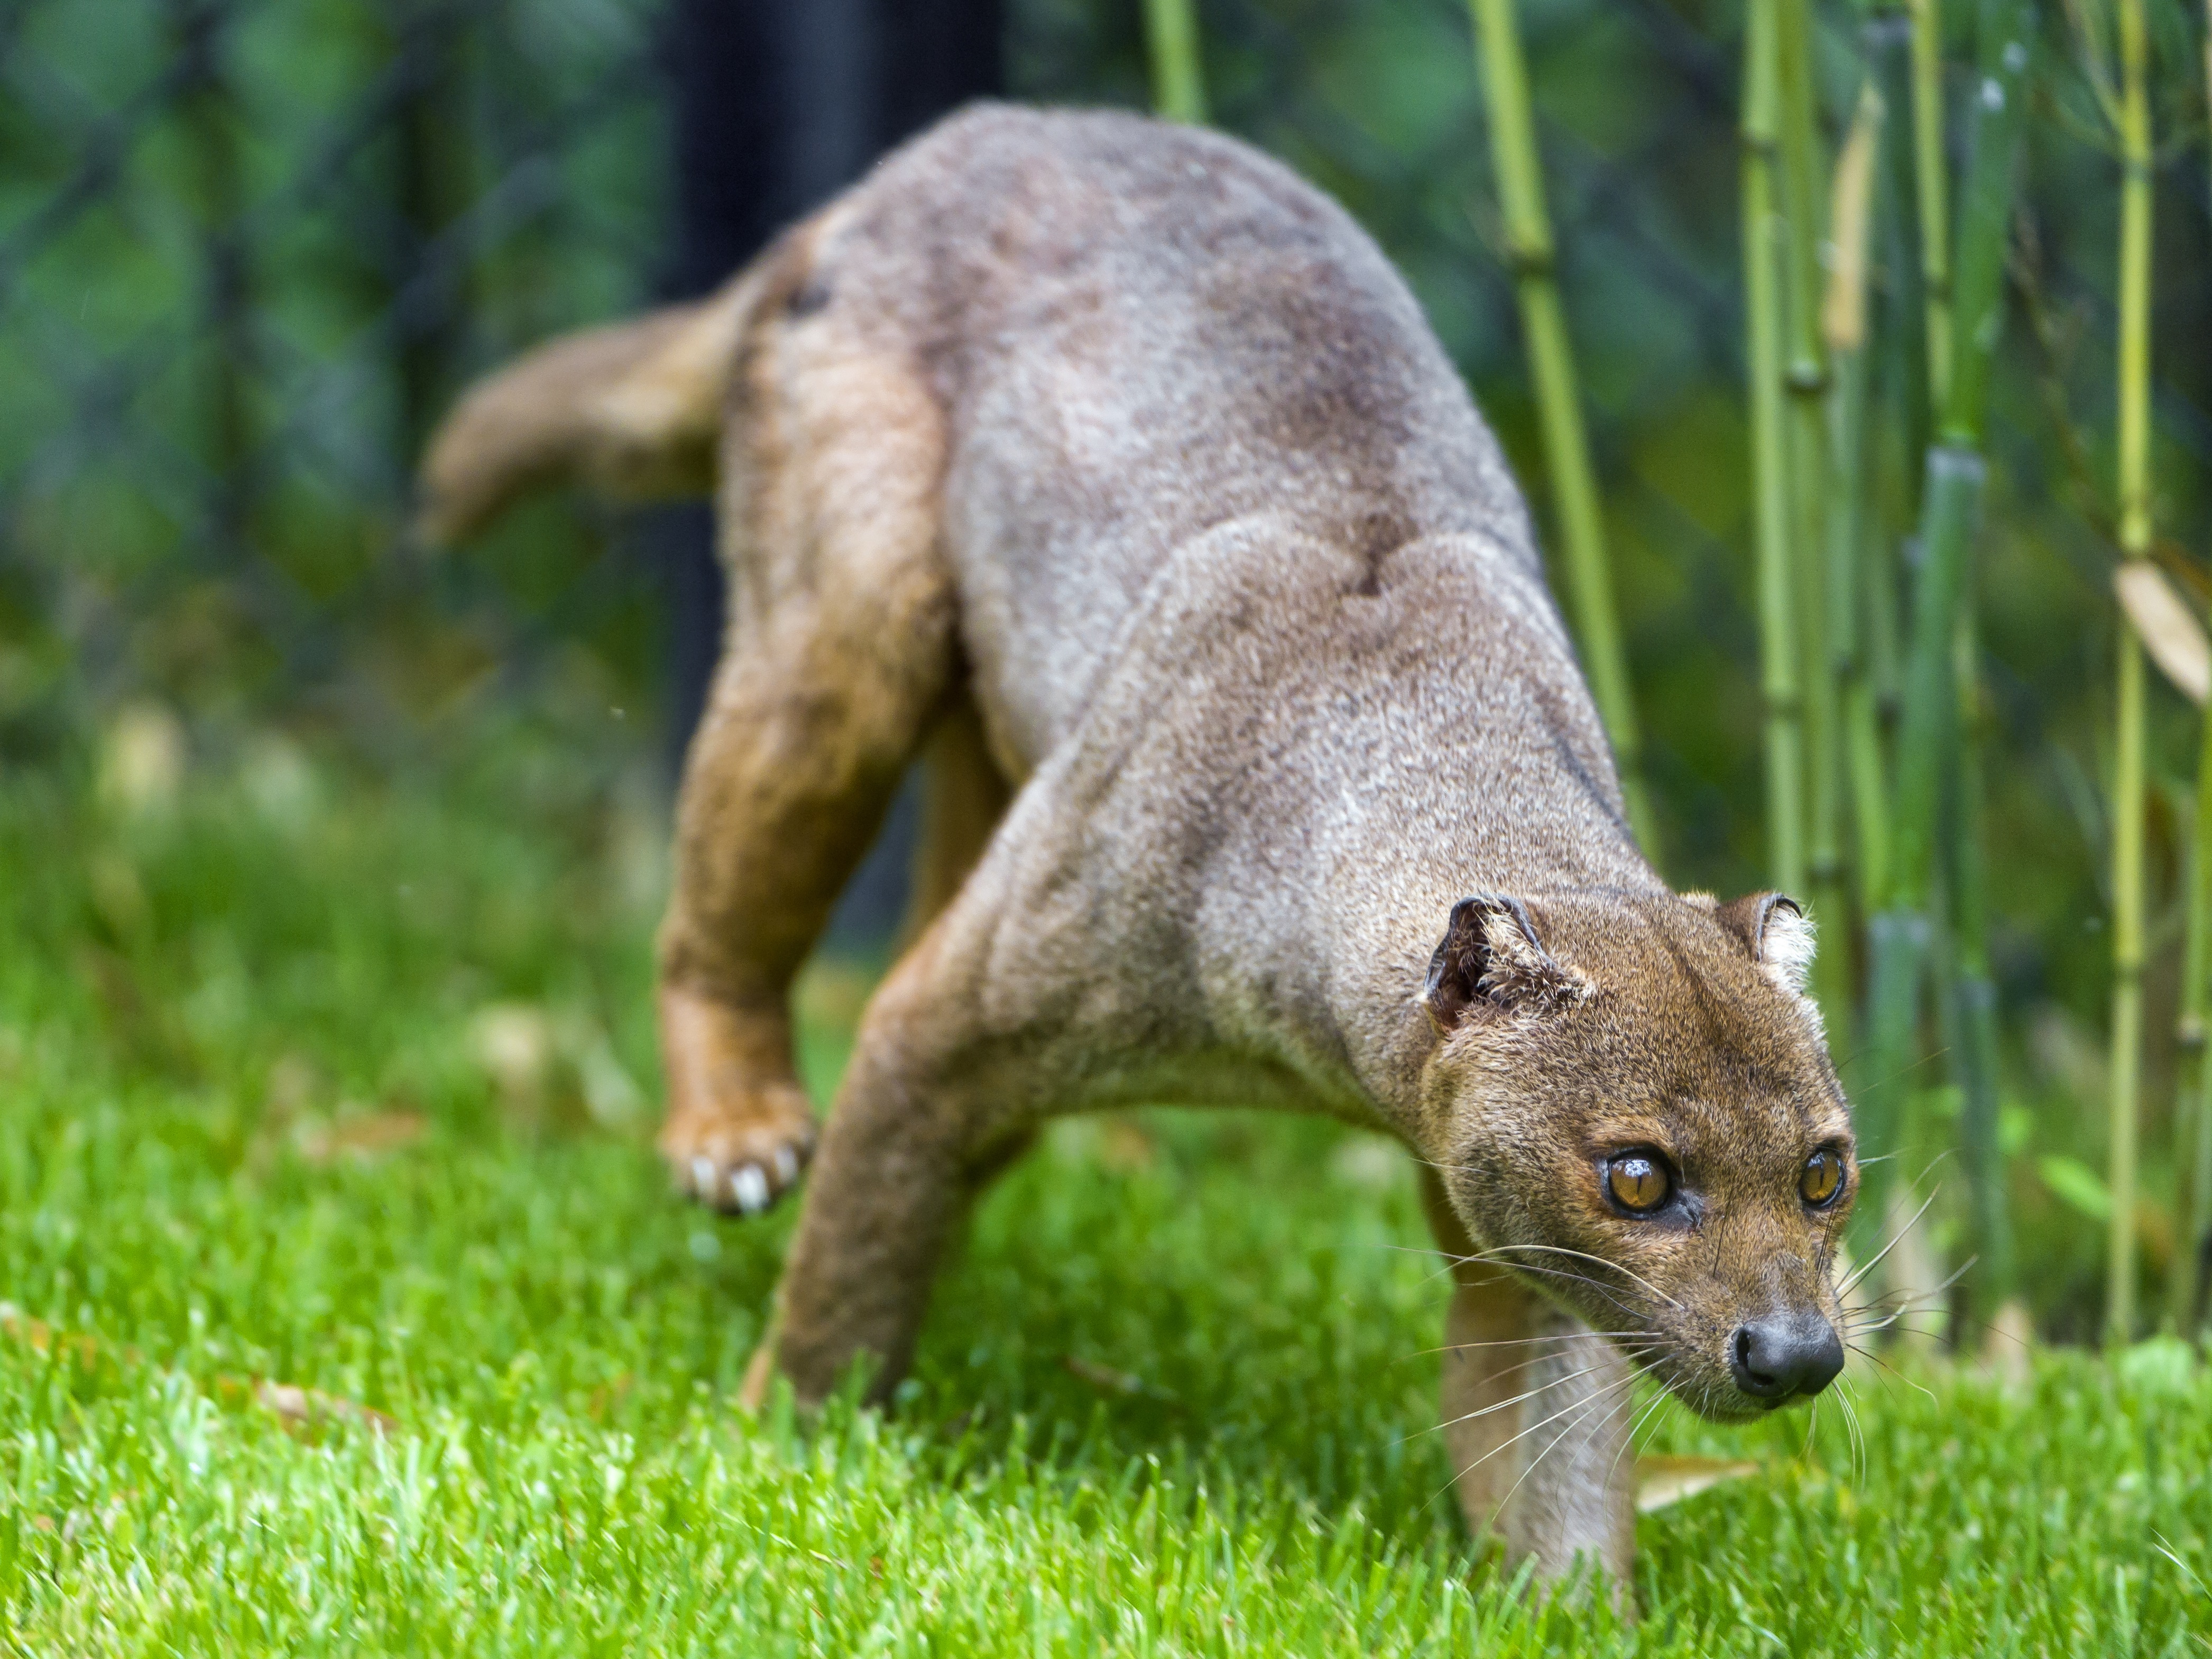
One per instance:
(631, 410)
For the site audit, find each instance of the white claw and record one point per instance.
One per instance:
(702, 1175)
(749, 1188)
(787, 1166)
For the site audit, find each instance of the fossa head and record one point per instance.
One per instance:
(1632, 1105)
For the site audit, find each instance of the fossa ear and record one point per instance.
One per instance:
(1778, 932)
(1493, 958)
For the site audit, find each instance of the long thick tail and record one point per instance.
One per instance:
(632, 410)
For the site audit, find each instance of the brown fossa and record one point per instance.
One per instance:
(1111, 470)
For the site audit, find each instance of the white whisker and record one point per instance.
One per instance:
(1535, 1461)
(1501, 1405)
(1583, 1255)
(1845, 1288)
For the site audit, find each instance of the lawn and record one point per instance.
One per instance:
(349, 1312)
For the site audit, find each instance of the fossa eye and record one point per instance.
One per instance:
(1822, 1178)
(1638, 1181)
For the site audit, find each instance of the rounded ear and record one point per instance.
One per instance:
(1779, 934)
(1491, 956)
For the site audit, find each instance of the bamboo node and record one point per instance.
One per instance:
(1535, 260)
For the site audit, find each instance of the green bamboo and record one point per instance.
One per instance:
(1866, 198)
(1805, 382)
(2128, 772)
(2196, 1237)
(1950, 505)
(2194, 1097)
(1935, 229)
(2127, 984)
(1851, 519)
(1973, 1046)
(1895, 447)
(1778, 643)
(1530, 248)
(2193, 1117)
(1178, 81)
(2189, 1041)
(1899, 936)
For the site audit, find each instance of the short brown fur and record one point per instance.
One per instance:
(1120, 460)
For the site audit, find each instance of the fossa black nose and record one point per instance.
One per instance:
(1780, 1358)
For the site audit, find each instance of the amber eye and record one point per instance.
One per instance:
(1638, 1180)
(1822, 1178)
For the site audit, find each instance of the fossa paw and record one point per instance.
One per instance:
(741, 1159)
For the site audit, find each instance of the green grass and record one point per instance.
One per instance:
(213, 1012)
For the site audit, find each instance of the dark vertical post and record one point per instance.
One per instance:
(211, 124)
(431, 168)
(778, 106)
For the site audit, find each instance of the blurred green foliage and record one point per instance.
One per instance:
(248, 250)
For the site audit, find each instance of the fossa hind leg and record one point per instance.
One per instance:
(1536, 1411)
(838, 658)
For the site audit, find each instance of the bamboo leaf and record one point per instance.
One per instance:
(2077, 1186)
(2170, 631)
(1842, 311)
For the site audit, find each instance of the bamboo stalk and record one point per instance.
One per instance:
(2189, 1296)
(1929, 177)
(1895, 447)
(1861, 204)
(1531, 249)
(1892, 39)
(1974, 1049)
(1806, 383)
(1778, 641)
(2128, 773)
(2192, 1116)
(2127, 985)
(1900, 935)
(2196, 1235)
(1849, 520)
(1178, 80)
(1950, 504)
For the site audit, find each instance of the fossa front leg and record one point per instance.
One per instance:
(1536, 1412)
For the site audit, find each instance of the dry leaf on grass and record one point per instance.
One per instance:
(41, 1338)
(1107, 1380)
(1662, 1480)
(306, 1407)
(1101, 1377)
(608, 1396)
(1124, 1145)
(295, 1406)
(363, 1134)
